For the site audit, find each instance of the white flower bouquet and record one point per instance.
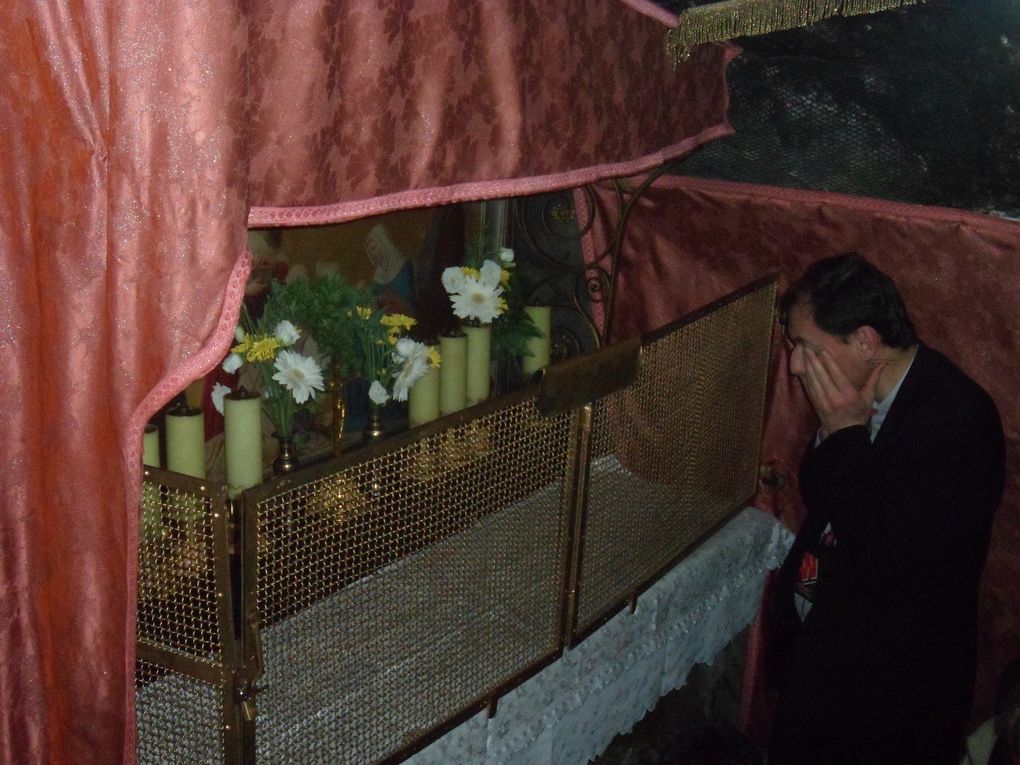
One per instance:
(390, 362)
(289, 379)
(477, 293)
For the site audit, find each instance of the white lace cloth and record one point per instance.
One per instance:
(569, 712)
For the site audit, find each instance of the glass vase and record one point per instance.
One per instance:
(338, 387)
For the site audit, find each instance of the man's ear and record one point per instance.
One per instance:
(866, 340)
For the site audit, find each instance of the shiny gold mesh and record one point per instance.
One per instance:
(405, 588)
(676, 453)
(182, 671)
(178, 717)
(177, 606)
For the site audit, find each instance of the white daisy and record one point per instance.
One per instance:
(413, 358)
(298, 374)
(490, 273)
(286, 333)
(506, 255)
(239, 334)
(453, 279)
(232, 363)
(218, 392)
(477, 301)
(377, 393)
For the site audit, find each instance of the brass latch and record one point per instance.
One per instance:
(244, 694)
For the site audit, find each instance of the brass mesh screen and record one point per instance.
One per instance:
(407, 587)
(675, 453)
(181, 622)
(178, 717)
(177, 605)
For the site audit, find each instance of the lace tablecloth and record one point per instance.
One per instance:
(569, 712)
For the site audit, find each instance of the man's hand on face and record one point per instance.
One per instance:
(835, 399)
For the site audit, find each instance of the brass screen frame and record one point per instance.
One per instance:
(244, 620)
(581, 625)
(208, 501)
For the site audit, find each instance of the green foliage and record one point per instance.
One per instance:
(326, 309)
(511, 332)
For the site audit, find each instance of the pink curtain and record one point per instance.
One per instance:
(122, 241)
(136, 139)
(397, 104)
(691, 241)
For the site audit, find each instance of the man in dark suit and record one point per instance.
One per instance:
(875, 613)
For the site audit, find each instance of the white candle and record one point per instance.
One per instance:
(150, 446)
(538, 346)
(452, 373)
(423, 398)
(242, 439)
(185, 441)
(479, 362)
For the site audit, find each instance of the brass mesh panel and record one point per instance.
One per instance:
(405, 588)
(182, 622)
(177, 605)
(178, 717)
(675, 453)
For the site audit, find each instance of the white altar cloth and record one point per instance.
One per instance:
(569, 712)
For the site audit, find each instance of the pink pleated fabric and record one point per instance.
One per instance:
(137, 138)
(392, 104)
(692, 241)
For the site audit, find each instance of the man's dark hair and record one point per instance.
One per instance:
(846, 292)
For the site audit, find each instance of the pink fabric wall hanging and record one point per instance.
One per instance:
(134, 139)
(691, 241)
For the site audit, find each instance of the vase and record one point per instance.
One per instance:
(338, 387)
(373, 426)
(286, 457)
(479, 362)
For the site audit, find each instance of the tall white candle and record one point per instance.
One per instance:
(452, 373)
(150, 446)
(479, 362)
(423, 398)
(242, 439)
(538, 346)
(185, 441)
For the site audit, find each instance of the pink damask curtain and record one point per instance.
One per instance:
(122, 247)
(691, 241)
(396, 104)
(136, 139)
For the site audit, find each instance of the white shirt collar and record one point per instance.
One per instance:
(882, 407)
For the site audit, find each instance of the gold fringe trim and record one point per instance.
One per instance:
(746, 18)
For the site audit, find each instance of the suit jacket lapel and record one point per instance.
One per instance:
(893, 426)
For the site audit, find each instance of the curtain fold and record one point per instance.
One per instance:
(135, 139)
(691, 241)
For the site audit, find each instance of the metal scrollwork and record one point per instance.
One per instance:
(548, 231)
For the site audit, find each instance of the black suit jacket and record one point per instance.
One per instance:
(881, 670)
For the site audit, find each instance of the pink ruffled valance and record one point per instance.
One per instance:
(396, 105)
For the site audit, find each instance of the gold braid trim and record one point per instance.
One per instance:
(745, 18)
